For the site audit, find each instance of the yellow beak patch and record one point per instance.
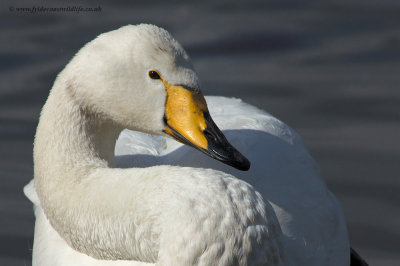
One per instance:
(184, 113)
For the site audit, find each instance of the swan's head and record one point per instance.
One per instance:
(141, 78)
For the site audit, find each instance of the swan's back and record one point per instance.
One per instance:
(282, 171)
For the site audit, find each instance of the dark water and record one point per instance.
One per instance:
(330, 69)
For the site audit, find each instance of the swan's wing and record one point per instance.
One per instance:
(50, 249)
(234, 114)
(287, 176)
(282, 171)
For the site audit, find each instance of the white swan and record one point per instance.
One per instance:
(90, 214)
(139, 77)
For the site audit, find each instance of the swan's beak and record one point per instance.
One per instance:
(187, 120)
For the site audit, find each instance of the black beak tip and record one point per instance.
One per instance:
(227, 154)
(244, 165)
(240, 162)
(220, 149)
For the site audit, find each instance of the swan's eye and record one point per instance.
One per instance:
(154, 74)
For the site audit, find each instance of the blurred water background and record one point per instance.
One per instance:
(329, 69)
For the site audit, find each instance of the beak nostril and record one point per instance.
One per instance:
(209, 135)
(206, 133)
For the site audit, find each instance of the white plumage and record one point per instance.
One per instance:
(282, 171)
(168, 209)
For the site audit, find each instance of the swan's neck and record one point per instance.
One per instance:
(73, 156)
(70, 136)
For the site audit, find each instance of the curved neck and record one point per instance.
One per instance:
(71, 134)
(77, 188)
